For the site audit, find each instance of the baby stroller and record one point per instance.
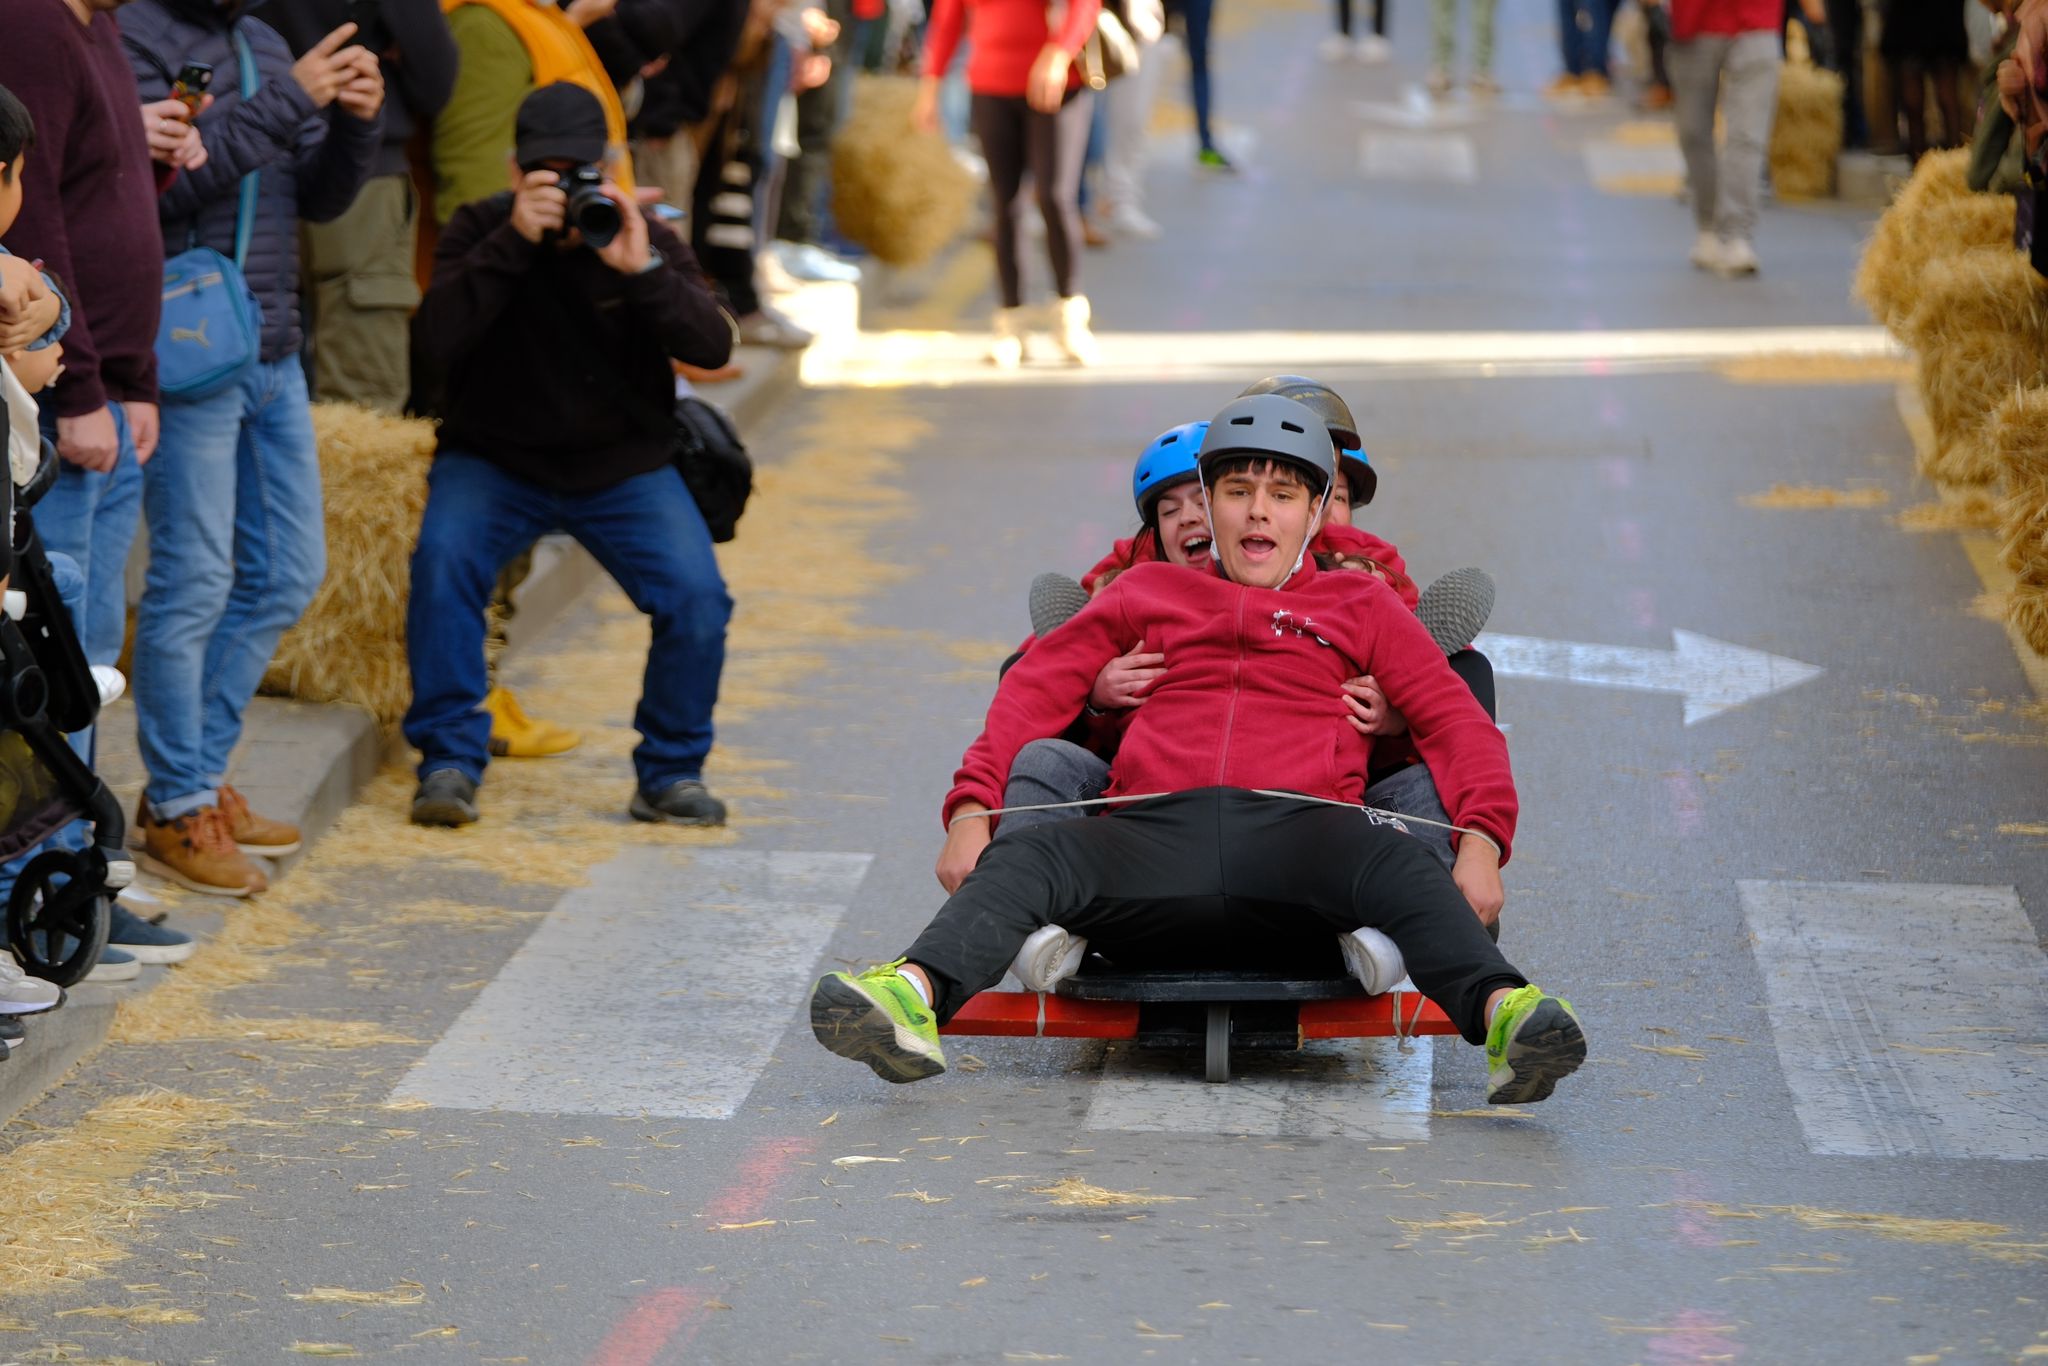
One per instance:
(57, 914)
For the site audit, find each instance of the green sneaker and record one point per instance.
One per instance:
(879, 1019)
(1534, 1043)
(1211, 159)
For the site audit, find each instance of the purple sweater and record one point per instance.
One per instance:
(89, 199)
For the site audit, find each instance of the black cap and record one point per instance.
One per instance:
(560, 122)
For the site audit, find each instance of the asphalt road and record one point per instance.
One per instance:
(1815, 1119)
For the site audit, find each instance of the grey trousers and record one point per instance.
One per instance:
(1057, 771)
(1740, 74)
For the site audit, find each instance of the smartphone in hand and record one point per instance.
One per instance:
(190, 87)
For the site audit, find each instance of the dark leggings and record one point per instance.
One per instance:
(1911, 74)
(1195, 16)
(1379, 17)
(1216, 871)
(1053, 147)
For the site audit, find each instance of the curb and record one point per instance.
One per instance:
(308, 761)
(1981, 547)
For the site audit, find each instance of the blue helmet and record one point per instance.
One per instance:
(1173, 456)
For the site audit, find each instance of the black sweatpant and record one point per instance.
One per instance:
(1015, 138)
(1202, 877)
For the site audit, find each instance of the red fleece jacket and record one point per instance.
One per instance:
(1691, 19)
(1256, 674)
(1332, 540)
(1006, 38)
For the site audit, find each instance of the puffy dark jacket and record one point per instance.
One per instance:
(311, 161)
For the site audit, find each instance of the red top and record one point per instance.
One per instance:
(1331, 540)
(1723, 18)
(1258, 673)
(1006, 38)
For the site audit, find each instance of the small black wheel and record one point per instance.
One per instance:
(57, 917)
(1216, 1057)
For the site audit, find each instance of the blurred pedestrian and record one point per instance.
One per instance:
(1130, 102)
(1924, 42)
(1584, 30)
(1444, 37)
(1195, 18)
(361, 286)
(1371, 48)
(236, 538)
(1031, 113)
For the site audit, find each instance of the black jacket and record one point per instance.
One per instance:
(556, 366)
(311, 162)
(419, 63)
(699, 37)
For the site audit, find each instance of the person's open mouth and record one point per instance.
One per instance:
(1195, 547)
(1258, 548)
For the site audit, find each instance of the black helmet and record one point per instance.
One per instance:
(1362, 478)
(1269, 427)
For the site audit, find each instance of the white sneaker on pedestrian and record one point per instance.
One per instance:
(770, 328)
(1073, 335)
(1006, 351)
(1706, 251)
(808, 261)
(1335, 48)
(1128, 220)
(21, 994)
(1374, 50)
(115, 965)
(1738, 258)
(110, 683)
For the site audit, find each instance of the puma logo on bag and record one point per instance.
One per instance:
(193, 334)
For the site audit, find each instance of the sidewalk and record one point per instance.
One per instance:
(305, 762)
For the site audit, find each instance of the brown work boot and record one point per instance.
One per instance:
(196, 850)
(254, 834)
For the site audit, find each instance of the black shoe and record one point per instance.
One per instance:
(12, 1033)
(683, 802)
(445, 797)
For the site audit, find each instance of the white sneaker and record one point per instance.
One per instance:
(1048, 957)
(1335, 48)
(808, 261)
(1006, 352)
(1374, 50)
(110, 681)
(1706, 251)
(1372, 958)
(21, 994)
(1130, 221)
(1738, 258)
(1073, 335)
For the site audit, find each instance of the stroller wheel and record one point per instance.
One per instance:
(57, 919)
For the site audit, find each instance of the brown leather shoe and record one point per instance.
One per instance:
(196, 851)
(254, 834)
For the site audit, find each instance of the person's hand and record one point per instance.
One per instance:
(628, 252)
(172, 138)
(539, 206)
(810, 71)
(327, 67)
(584, 13)
(1368, 710)
(2012, 86)
(965, 840)
(28, 306)
(363, 94)
(821, 28)
(143, 429)
(924, 110)
(1125, 680)
(1477, 873)
(89, 440)
(1046, 89)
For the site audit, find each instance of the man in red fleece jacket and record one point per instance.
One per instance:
(1205, 853)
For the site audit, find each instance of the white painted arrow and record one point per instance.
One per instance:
(1712, 675)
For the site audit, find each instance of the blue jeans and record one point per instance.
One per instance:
(1195, 16)
(1585, 48)
(236, 551)
(91, 517)
(648, 535)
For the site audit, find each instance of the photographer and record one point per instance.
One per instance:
(554, 310)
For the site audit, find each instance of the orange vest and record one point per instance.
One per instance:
(560, 52)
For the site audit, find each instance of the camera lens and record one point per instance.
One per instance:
(594, 215)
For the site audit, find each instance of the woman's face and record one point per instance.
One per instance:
(1184, 525)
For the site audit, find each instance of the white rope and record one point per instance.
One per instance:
(1255, 791)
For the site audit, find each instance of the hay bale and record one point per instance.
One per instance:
(2019, 435)
(1892, 260)
(896, 191)
(1806, 137)
(350, 644)
(1981, 330)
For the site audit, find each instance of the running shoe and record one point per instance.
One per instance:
(1212, 159)
(879, 1019)
(1534, 1043)
(147, 943)
(21, 994)
(115, 965)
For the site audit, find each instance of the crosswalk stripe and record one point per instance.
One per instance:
(1364, 1088)
(1911, 1020)
(656, 989)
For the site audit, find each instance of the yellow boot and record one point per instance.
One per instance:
(515, 735)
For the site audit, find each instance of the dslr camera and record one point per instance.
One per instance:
(591, 212)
